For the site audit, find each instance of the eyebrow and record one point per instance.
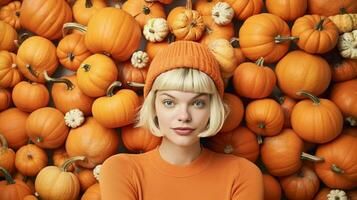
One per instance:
(198, 95)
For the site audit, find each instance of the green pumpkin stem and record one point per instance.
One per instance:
(7, 176)
(89, 4)
(260, 62)
(351, 120)
(39, 139)
(343, 11)
(260, 139)
(171, 38)
(336, 169)
(70, 56)
(135, 84)
(71, 25)
(68, 83)
(110, 90)
(146, 10)
(228, 149)
(86, 67)
(3, 141)
(261, 125)
(68, 162)
(319, 26)
(17, 13)
(309, 157)
(313, 98)
(31, 70)
(234, 42)
(280, 39)
(280, 99)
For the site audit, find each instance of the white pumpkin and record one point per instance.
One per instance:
(337, 194)
(222, 13)
(74, 118)
(156, 29)
(96, 171)
(347, 45)
(140, 59)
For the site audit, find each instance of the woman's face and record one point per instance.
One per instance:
(182, 115)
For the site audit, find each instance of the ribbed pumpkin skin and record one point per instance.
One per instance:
(82, 13)
(7, 37)
(245, 8)
(5, 99)
(45, 17)
(139, 139)
(9, 73)
(331, 7)
(10, 12)
(16, 191)
(113, 31)
(30, 159)
(129, 73)
(288, 10)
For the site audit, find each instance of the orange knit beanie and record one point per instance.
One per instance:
(184, 54)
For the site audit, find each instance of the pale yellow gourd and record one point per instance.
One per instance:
(156, 29)
(345, 22)
(347, 45)
(222, 13)
(337, 194)
(140, 59)
(74, 118)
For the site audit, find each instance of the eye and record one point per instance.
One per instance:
(168, 103)
(199, 103)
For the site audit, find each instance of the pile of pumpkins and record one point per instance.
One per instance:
(72, 73)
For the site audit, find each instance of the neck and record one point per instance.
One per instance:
(179, 155)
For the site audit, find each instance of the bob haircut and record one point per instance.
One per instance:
(187, 80)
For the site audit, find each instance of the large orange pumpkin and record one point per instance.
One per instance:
(45, 17)
(236, 112)
(46, 127)
(138, 139)
(12, 189)
(243, 9)
(204, 7)
(316, 120)
(7, 156)
(331, 7)
(113, 31)
(93, 141)
(8, 36)
(288, 10)
(317, 34)
(5, 99)
(272, 188)
(30, 159)
(30, 96)
(339, 169)
(9, 72)
(36, 55)
(299, 70)
(84, 9)
(11, 14)
(265, 35)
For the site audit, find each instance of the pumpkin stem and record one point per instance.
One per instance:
(189, 5)
(260, 62)
(171, 38)
(31, 70)
(228, 149)
(17, 13)
(71, 25)
(7, 176)
(280, 99)
(336, 169)
(68, 83)
(86, 67)
(234, 42)
(261, 125)
(260, 139)
(39, 139)
(313, 98)
(13, 65)
(68, 162)
(300, 173)
(319, 26)
(146, 10)
(3, 141)
(70, 56)
(135, 84)
(89, 4)
(306, 156)
(351, 120)
(110, 90)
(280, 39)
(343, 11)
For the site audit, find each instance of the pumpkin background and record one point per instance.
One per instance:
(270, 124)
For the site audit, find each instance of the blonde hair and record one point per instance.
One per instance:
(187, 80)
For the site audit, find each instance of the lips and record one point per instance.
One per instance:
(183, 131)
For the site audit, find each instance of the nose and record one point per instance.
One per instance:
(184, 115)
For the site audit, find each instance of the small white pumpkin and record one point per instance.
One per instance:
(96, 172)
(140, 59)
(222, 13)
(74, 118)
(347, 45)
(156, 29)
(337, 194)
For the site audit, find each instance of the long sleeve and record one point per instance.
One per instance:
(116, 179)
(249, 183)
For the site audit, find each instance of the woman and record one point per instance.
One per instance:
(183, 102)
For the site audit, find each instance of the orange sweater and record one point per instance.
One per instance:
(211, 176)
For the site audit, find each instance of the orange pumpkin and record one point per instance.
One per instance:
(114, 32)
(153, 47)
(299, 70)
(12, 126)
(342, 69)
(5, 99)
(46, 128)
(27, 180)
(304, 184)
(339, 169)
(45, 17)
(93, 141)
(95, 75)
(8, 36)
(236, 112)
(264, 117)
(185, 23)
(84, 9)
(214, 31)
(9, 72)
(204, 7)
(240, 142)
(287, 104)
(317, 34)
(128, 73)
(68, 96)
(254, 80)
(92, 193)
(7, 156)
(56, 183)
(12, 189)
(30, 197)
(85, 177)
(272, 188)
(11, 14)
(237, 50)
(344, 95)
(59, 156)
(316, 120)
(116, 110)
(30, 159)
(243, 9)
(31, 64)
(71, 51)
(138, 139)
(288, 10)
(331, 7)
(142, 11)
(30, 96)
(258, 39)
